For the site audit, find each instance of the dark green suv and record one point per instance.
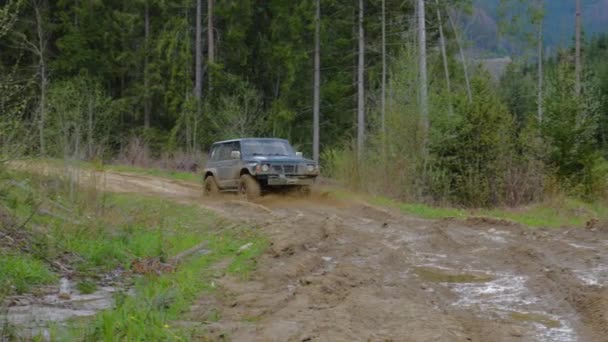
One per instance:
(255, 165)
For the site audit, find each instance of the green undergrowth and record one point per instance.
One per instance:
(99, 166)
(94, 233)
(554, 213)
(150, 314)
(176, 175)
(18, 273)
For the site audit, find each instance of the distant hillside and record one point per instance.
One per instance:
(482, 26)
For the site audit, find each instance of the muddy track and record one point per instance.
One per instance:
(340, 270)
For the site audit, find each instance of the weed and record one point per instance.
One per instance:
(22, 271)
(86, 286)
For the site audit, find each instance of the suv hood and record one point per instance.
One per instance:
(280, 159)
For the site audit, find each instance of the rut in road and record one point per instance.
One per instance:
(342, 270)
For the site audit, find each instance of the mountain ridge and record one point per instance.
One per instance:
(558, 30)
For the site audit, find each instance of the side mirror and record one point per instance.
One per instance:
(235, 155)
(299, 154)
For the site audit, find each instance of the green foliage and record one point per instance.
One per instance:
(78, 123)
(21, 272)
(476, 147)
(570, 129)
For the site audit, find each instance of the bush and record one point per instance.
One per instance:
(476, 151)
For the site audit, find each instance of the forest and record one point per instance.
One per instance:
(390, 89)
(462, 147)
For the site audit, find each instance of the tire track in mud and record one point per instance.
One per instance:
(343, 271)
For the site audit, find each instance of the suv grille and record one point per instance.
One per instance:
(289, 169)
(284, 169)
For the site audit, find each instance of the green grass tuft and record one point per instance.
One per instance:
(21, 272)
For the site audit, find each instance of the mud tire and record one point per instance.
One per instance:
(210, 187)
(249, 187)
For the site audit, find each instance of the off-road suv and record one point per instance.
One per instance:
(255, 165)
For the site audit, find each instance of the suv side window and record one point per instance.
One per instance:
(215, 153)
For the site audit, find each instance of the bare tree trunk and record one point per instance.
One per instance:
(210, 41)
(41, 51)
(91, 99)
(198, 77)
(198, 87)
(317, 84)
(540, 71)
(444, 55)
(383, 88)
(423, 87)
(146, 76)
(578, 66)
(361, 87)
(463, 58)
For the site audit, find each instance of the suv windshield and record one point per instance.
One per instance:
(266, 148)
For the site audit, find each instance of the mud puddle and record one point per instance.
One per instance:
(31, 316)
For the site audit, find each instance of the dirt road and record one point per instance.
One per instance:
(341, 270)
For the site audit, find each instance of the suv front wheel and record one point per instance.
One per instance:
(249, 187)
(210, 187)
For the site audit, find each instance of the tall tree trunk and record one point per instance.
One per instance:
(383, 86)
(463, 58)
(317, 84)
(90, 145)
(540, 71)
(41, 51)
(198, 77)
(423, 87)
(578, 66)
(198, 87)
(146, 76)
(361, 87)
(444, 55)
(210, 41)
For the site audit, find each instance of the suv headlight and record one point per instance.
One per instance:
(265, 168)
(310, 168)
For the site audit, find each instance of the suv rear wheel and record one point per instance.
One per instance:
(249, 187)
(210, 187)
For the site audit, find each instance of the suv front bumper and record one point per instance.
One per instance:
(289, 180)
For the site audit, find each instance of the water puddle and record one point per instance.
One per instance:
(535, 318)
(594, 276)
(508, 296)
(437, 275)
(31, 315)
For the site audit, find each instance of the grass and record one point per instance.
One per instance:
(176, 175)
(104, 231)
(161, 300)
(554, 213)
(98, 166)
(21, 272)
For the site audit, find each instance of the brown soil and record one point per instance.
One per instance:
(340, 270)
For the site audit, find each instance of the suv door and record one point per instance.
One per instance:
(228, 168)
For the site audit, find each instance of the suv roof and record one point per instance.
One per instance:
(245, 139)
